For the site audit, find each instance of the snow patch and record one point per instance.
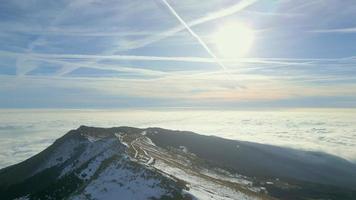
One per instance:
(92, 139)
(120, 180)
(60, 155)
(119, 135)
(184, 149)
(23, 198)
(94, 165)
(150, 161)
(201, 188)
(108, 145)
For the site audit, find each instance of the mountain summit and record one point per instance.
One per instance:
(154, 163)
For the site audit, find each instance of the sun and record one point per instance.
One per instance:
(233, 40)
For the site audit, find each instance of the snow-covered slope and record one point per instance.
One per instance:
(92, 163)
(86, 166)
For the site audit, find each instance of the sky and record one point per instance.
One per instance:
(164, 53)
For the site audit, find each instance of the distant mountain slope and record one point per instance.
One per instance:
(261, 160)
(154, 163)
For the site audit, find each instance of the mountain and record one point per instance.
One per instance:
(154, 163)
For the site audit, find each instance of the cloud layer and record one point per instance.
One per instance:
(25, 133)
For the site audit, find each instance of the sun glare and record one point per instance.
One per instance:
(233, 40)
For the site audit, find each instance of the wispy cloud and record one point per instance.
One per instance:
(336, 30)
(87, 57)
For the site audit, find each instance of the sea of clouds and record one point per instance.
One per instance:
(23, 133)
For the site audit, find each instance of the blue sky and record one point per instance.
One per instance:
(157, 53)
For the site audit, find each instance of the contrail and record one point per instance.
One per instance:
(215, 58)
(210, 17)
(202, 43)
(339, 30)
(279, 61)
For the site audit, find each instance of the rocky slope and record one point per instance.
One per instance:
(154, 163)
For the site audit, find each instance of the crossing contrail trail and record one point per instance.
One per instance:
(241, 5)
(202, 43)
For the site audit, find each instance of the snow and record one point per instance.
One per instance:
(225, 175)
(119, 135)
(23, 198)
(150, 161)
(137, 178)
(133, 146)
(149, 141)
(119, 180)
(65, 151)
(94, 165)
(122, 177)
(93, 149)
(184, 149)
(60, 155)
(92, 139)
(201, 188)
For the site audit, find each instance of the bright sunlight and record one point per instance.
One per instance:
(233, 40)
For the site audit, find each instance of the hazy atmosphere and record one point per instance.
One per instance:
(178, 99)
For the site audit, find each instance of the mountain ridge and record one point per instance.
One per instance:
(179, 164)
